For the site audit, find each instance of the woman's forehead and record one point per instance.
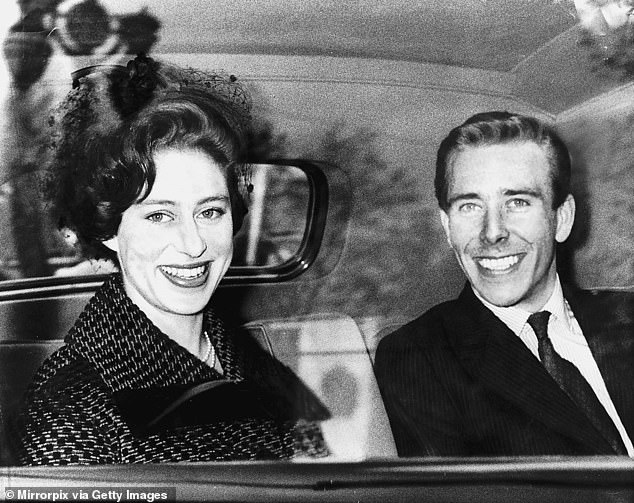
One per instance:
(185, 173)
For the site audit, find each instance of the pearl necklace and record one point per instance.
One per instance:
(211, 351)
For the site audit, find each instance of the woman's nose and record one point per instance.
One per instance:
(494, 227)
(190, 241)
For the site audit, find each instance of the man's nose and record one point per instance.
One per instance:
(494, 227)
(190, 241)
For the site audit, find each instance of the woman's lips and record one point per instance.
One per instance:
(186, 276)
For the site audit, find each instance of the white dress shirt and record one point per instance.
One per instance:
(569, 342)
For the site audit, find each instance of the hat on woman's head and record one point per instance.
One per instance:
(104, 134)
(104, 95)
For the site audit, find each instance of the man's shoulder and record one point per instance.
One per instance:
(610, 294)
(603, 301)
(427, 328)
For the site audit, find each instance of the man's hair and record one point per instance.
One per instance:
(493, 128)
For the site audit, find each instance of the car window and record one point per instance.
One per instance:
(277, 217)
(272, 234)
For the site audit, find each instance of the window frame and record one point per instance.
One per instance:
(304, 257)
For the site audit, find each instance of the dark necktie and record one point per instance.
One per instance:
(573, 383)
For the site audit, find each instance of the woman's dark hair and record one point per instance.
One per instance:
(111, 127)
(492, 128)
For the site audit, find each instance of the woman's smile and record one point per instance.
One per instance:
(192, 276)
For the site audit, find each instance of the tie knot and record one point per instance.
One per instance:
(539, 323)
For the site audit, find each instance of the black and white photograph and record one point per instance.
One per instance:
(353, 251)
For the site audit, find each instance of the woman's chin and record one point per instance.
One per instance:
(187, 301)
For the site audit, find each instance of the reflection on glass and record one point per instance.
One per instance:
(274, 228)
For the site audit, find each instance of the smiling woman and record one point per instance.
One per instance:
(149, 171)
(175, 246)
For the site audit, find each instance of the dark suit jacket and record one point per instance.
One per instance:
(458, 382)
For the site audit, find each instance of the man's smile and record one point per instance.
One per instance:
(499, 264)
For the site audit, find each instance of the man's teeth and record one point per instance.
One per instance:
(499, 264)
(184, 273)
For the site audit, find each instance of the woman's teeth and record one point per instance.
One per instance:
(184, 272)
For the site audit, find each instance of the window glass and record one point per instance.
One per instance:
(273, 230)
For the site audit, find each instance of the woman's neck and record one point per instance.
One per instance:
(184, 329)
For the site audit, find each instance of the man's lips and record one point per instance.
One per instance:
(499, 264)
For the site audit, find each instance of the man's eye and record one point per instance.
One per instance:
(518, 203)
(468, 207)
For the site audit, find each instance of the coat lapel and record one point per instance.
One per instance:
(495, 356)
(607, 322)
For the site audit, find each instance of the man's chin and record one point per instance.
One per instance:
(500, 298)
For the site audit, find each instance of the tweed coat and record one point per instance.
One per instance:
(73, 414)
(458, 382)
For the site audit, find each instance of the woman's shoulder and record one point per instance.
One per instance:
(67, 416)
(66, 378)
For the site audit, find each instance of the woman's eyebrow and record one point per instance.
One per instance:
(161, 202)
(168, 202)
(220, 198)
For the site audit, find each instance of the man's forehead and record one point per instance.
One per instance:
(499, 168)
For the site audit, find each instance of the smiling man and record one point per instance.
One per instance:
(518, 364)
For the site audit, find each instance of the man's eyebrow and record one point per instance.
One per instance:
(462, 197)
(538, 194)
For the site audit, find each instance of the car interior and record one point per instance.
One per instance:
(342, 244)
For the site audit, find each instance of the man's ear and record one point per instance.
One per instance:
(112, 244)
(444, 220)
(565, 218)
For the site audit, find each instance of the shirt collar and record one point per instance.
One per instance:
(515, 318)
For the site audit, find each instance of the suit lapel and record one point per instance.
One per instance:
(495, 356)
(607, 322)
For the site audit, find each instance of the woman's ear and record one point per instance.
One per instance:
(112, 244)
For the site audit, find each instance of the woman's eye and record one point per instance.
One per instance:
(212, 213)
(158, 218)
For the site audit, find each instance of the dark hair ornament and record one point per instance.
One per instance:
(134, 89)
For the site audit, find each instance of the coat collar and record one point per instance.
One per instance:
(129, 351)
(496, 357)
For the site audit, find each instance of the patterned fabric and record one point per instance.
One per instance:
(71, 415)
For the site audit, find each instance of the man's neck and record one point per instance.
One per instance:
(515, 317)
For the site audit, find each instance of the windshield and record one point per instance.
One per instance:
(345, 246)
